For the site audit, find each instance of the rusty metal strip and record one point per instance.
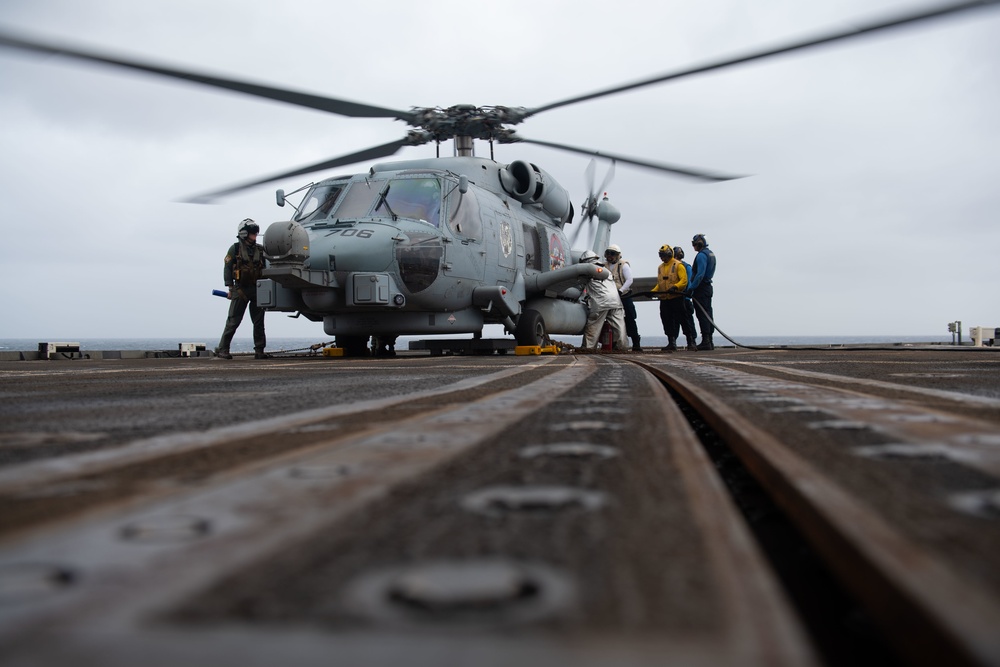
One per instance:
(763, 627)
(932, 617)
(954, 396)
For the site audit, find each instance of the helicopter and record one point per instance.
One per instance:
(445, 244)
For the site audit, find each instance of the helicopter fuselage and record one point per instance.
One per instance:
(434, 246)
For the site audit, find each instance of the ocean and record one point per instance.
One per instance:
(278, 344)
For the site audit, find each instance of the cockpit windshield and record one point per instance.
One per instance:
(412, 198)
(319, 202)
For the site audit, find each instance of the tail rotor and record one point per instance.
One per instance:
(588, 210)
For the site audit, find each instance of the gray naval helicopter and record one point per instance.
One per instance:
(443, 245)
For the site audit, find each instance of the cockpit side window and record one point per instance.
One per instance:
(415, 199)
(464, 218)
(319, 201)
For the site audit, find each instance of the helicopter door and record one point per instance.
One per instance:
(505, 242)
(465, 254)
(498, 237)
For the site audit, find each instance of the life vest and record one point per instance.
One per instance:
(248, 263)
(618, 273)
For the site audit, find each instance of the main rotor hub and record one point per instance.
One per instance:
(468, 120)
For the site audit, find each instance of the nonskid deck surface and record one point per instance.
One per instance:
(563, 509)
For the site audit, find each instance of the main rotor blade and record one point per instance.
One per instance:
(367, 154)
(323, 103)
(860, 30)
(673, 169)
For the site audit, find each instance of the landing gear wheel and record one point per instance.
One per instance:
(530, 328)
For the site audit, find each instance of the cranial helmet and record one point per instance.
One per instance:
(246, 228)
(613, 249)
(666, 252)
(699, 238)
(589, 256)
(678, 252)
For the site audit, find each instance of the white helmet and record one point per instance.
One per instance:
(589, 256)
(246, 228)
(613, 248)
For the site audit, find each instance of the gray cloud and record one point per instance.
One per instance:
(871, 207)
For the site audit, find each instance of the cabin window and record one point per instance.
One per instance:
(532, 255)
(464, 218)
(319, 201)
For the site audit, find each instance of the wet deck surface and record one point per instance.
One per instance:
(485, 510)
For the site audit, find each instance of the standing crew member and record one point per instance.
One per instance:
(622, 273)
(604, 303)
(244, 265)
(701, 290)
(671, 281)
(687, 320)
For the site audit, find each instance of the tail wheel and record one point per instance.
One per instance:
(530, 329)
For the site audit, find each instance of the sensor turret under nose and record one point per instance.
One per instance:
(286, 241)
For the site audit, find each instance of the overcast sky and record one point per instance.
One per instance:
(871, 208)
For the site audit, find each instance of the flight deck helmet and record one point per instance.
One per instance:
(666, 252)
(678, 252)
(589, 257)
(246, 228)
(699, 241)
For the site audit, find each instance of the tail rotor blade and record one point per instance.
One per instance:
(607, 180)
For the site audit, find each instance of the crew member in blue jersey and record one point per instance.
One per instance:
(700, 288)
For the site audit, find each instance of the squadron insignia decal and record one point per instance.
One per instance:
(557, 255)
(506, 238)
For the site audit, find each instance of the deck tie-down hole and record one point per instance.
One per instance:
(323, 471)
(476, 591)
(984, 503)
(470, 587)
(580, 450)
(933, 451)
(315, 428)
(166, 529)
(500, 500)
(586, 425)
(23, 582)
(596, 410)
(840, 425)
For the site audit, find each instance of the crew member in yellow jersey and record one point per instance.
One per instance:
(671, 281)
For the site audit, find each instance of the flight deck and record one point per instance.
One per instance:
(731, 507)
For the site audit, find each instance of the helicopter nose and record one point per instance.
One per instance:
(286, 241)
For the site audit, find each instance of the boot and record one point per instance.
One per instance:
(222, 354)
(706, 344)
(691, 346)
(260, 354)
(635, 344)
(672, 346)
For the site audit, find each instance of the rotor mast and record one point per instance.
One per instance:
(464, 146)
